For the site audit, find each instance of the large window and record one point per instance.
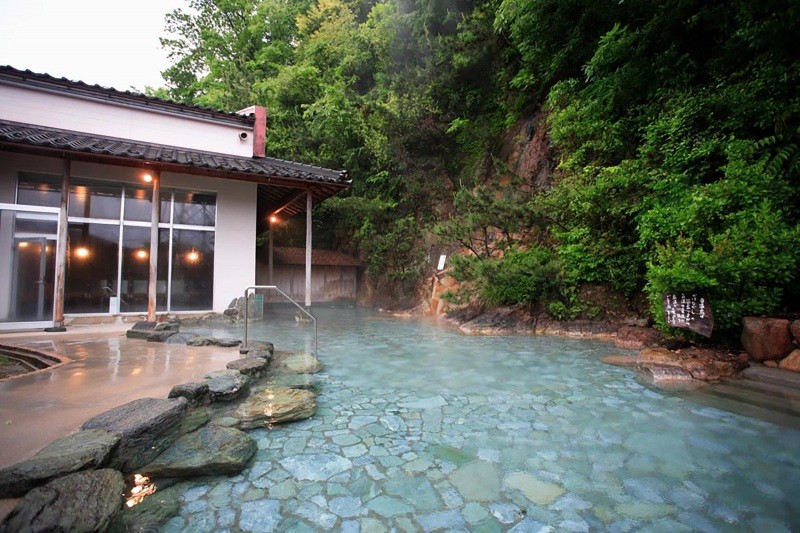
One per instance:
(108, 257)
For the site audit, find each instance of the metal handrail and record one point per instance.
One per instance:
(244, 347)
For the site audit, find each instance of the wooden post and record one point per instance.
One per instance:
(308, 248)
(154, 220)
(61, 247)
(271, 227)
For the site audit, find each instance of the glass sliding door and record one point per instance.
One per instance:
(135, 268)
(192, 270)
(28, 242)
(108, 246)
(92, 259)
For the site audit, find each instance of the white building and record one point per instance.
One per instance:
(80, 234)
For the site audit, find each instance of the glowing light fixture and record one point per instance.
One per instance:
(82, 252)
(23, 244)
(147, 178)
(273, 219)
(141, 253)
(193, 256)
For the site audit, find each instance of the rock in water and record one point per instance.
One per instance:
(249, 365)
(195, 393)
(299, 363)
(275, 405)
(83, 450)
(792, 362)
(226, 385)
(260, 349)
(620, 360)
(766, 338)
(147, 427)
(208, 451)
(80, 502)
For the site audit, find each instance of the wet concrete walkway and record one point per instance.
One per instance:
(107, 370)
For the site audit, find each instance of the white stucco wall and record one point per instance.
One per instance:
(32, 106)
(234, 248)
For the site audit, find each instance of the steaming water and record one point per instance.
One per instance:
(420, 428)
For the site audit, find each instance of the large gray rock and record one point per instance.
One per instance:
(88, 501)
(297, 363)
(213, 341)
(275, 405)
(766, 338)
(149, 335)
(293, 381)
(208, 451)
(148, 427)
(181, 338)
(195, 393)
(260, 349)
(249, 366)
(226, 385)
(83, 450)
(253, 313)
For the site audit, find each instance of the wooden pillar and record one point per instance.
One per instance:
(61, 247)
(270, 248)
(154, 220)
(308, 248)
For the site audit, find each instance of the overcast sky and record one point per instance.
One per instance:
(112, 43)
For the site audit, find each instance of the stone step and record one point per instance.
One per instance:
(758, 398)
(765, 387)
(773, 375)
(30, 358)
(739, 406)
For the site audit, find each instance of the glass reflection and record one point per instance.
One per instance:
(192, 270)
(195, 209)
(95, 199)
(92, 253)
(138, 204)
(135, 268)
(37, 189)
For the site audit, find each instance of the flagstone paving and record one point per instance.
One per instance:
(541, 436)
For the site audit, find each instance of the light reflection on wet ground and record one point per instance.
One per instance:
(107, 370)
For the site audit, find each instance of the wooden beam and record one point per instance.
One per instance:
(289, 202)
(308, 248)
(61, 247)
(155, 217)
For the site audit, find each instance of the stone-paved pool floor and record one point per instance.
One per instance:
(378, 460)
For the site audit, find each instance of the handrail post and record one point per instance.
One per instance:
(244, 349)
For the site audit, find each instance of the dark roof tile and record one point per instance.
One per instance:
(44, 137)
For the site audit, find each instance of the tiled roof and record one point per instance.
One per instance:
(297, 256)
(28, 135)
(9, 74)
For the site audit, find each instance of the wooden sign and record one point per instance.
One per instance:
(689, 311)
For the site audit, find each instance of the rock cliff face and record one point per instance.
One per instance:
(526, 152)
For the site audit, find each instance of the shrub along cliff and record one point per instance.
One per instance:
(565, 147)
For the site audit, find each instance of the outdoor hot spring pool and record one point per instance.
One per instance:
(420, 428)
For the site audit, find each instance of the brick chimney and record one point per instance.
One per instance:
(259, 128)
(260, 131)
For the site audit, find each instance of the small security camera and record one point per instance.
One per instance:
(243, 136)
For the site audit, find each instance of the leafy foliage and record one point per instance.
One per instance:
(675, 127)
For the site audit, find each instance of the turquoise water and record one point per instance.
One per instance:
(420, 428)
